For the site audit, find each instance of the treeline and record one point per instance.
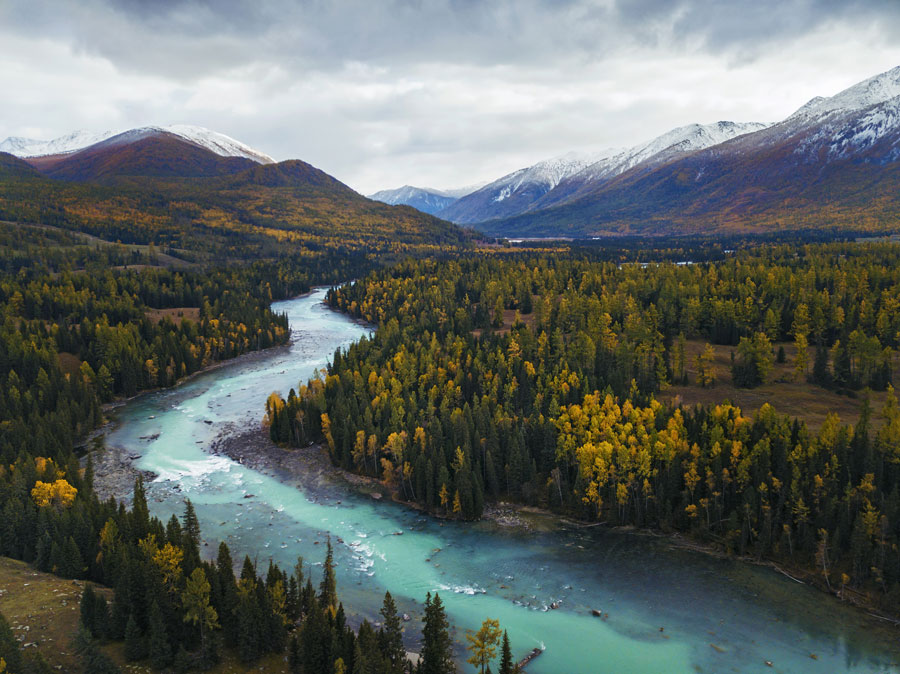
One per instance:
(533, 378)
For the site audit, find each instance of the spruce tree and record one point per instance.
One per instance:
(140, 513)
(93, 659)
(134, 641)
(392, 635)
(229, 595)
(437, 650)
(328, 587)
(88, 606)
(9, 647)
(160, 651)
(73, 567)
(506, 661)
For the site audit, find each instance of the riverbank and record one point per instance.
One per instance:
(311, 466)
(249, 356)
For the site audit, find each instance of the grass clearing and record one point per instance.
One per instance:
(809, 402)
(42, 610)
(177, 314)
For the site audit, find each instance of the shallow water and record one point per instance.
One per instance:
(716, 615)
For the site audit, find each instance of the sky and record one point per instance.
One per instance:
(435, 93)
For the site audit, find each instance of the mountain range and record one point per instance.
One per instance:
(832, 163)
(192, 188)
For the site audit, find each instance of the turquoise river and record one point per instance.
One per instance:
(716, 615)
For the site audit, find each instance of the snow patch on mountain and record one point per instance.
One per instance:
(222, 145)
(546, 174)
(213, 141)
(424, 199)
(878, 89)
(678, 141)
(71, 142)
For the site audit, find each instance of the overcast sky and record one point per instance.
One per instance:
(440, 93)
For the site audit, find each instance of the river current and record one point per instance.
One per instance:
(669, 610)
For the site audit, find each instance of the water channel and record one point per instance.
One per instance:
(669, 610)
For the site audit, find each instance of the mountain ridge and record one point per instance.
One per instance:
(832, 163)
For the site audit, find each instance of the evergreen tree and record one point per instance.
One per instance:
(506, 661)
(93, 659)
(160, 650)
(140, 513)
(328, 587)
(88, 606)
(392, 635)
(9, 647)
(437, 648)
(134, 641)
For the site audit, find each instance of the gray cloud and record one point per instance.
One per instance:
(443, 92)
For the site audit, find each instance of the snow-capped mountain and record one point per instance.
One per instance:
(673, 144)
(515, 192)
(425, 199)
(219, 143)
(72, 142)
(561, 179)
(835, 162)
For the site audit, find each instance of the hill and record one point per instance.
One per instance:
(154, 186)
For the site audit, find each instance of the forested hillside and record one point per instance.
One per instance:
(533, 378)
(179, 196)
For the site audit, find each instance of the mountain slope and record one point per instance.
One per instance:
(144, 155)
(155, 186)
(670, 145)
(517, 191)
(423, 199)
(213, 141)
(833, 163)
(563, 179)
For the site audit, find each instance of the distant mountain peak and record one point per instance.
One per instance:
(425, 199)
(878, 89)
(215, 142)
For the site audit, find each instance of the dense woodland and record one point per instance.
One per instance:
(85, 323)
(532, 377)
(522, 375)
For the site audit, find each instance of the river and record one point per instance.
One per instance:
(669, 610)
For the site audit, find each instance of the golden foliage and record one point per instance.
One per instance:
(59, 494)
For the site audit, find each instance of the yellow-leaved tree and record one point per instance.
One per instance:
(59, 494)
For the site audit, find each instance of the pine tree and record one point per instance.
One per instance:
(9, 647)
(88, 606)
(160, 651)
(140, 513)
(392, 635)
(190, 538)
(229, 594)
(328, 587)
(93, 659)
(437, 649)
(134, 641)
(506, 661)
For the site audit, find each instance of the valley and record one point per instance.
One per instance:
(628, 409)
(281, 514)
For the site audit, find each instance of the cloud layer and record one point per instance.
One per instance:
(429, 92)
